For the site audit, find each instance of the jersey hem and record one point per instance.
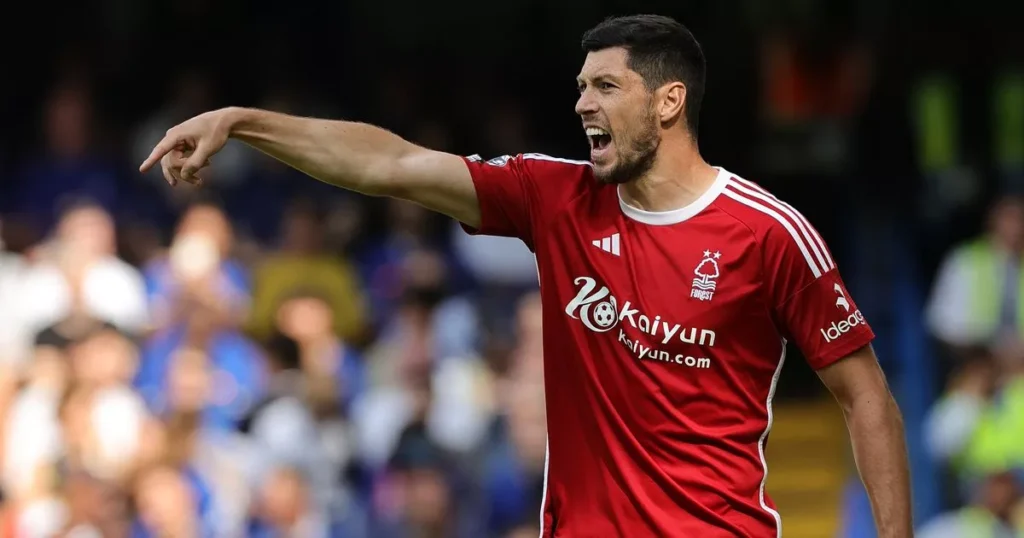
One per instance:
(841, 352)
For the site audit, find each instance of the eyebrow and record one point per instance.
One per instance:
(599, 77)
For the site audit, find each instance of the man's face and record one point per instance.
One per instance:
(618, 114)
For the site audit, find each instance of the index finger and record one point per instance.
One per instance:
(163, 148)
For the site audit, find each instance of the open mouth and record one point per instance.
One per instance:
(599, 139)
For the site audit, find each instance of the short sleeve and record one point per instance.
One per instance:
(519, 194)
(503, 187)
(809, 298)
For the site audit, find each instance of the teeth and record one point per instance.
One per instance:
(596, 131)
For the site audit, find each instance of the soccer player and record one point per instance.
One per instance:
(669, 290)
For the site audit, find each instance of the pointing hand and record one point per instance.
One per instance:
(187, 147)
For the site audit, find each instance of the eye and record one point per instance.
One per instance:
(606, 86)
(581, 88)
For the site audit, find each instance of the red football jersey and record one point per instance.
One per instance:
(664, 336)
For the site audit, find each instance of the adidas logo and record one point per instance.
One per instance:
(608, 244)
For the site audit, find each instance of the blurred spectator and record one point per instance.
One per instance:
(977, 426)
(167, 506)
(103, 363)
(503, 267)
(285, 508)
(977, 298)
(529, 326)
(198, 272)
(104, 357)
(15, 332)
(95, 508)
(284, 430)
(214, 460)
(407, 380)
(79, 271)
(237, 368)
(334, 372)
(69, 168)
(451, 321)
(116, 419)
(995, 513)
(384, 264)
(32, 432)
(515, 454)
(513, 473)
(424, 495)
(304, 264)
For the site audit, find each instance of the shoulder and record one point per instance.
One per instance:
(542, 160)
(757, 208)
(545, 182)
(973, 249)
(538, 167)
(778, 227)
(539, 161)
(959, 260)
(556, 179)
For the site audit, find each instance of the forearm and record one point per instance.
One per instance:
(354, 156)
(879, 448)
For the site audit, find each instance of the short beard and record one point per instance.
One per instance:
(636, 160)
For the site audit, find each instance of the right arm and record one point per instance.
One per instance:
(351, 155)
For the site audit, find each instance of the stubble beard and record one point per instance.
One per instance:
(636, 159)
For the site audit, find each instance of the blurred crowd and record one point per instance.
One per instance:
(976, 429)
(270, 356)
(264, 369)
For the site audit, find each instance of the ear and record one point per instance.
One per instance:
(670, 101)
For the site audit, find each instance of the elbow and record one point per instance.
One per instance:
(388, 175)
(376, 178)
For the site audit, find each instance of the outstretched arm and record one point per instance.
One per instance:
(876, 432)
(351, 155)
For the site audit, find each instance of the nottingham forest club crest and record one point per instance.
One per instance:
(706, 272)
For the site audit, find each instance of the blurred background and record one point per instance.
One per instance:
(268, 356)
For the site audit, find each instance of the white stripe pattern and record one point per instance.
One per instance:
(542, 157)
(547, 453)
(764, 437)
(801, 221)
(753, 204)
(816, 244)
(544, 491)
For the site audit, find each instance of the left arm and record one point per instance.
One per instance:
(876, 432)
(814, 309)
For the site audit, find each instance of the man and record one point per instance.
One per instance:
(994, 512)
(668, 290)
(977, 297)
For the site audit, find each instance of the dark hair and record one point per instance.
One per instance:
(660, 50)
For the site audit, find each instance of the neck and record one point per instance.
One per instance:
(678, 178)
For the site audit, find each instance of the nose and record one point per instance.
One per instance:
(586, 104)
